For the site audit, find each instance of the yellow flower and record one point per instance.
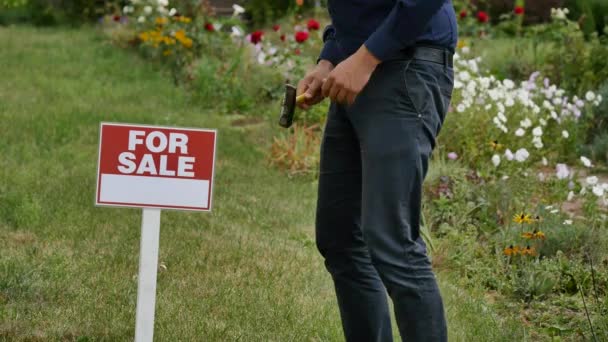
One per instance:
(160, 21)
(461, 44)
(181, 37)
(495, 145)
(183, 19)
(522, 218)
(168, 40)
(144, 36)
(167, 52)
(539, 235)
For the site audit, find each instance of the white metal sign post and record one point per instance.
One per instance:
(146, 282)
(154, 168)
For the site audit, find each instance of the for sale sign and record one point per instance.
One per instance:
(153, 166)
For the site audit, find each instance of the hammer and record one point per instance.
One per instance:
(288, 106)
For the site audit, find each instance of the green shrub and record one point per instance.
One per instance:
(47, 13)
(263, 12)
(592, 14)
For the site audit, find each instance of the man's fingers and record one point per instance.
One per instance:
(350, 99)
(333, 92)
(342, 96)
(327, 84)
(313, 88)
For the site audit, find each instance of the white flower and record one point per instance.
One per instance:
(590, 96)
(542, 121)
(236, 31)
(541, 176)
(520, 132)
(544, 161)
(537, 131)
(586, 161)
(521, 155)
(237, 10)
(565, 134)
(548, 207)
(570, 196)
(591, 180)
(502, 117)
(172, 12)
(460, 108)
(141, 19)
(261, 57)
(163, 2)
(568, 222)
(147, 9)
(509, 102)
(496, 160)
(525, 123)
(464, 76)
(538, 144)
(508, 84)
(127, 9)
(554, 211)
(505, 177)
(561, 171)
(598, 190)
(465, 50)
(509, 154)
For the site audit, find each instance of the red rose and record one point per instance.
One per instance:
(519, 10)
(301, 36)
(297, 52)
(282, 37)
(482, 17)
(209, 27)
(116, 18)
(256, 36)
(313, 25)
(276, 27)
(463, 14)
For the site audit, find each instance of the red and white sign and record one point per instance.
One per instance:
(153, 166)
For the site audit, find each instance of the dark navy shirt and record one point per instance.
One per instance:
(387, 26)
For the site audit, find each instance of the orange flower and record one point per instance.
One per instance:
(509, 251)
(527, 235)
(539, 235)
(531, 251)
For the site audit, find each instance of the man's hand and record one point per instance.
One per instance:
(311, 84)
(347, 80)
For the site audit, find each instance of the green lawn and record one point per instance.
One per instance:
(248, 271)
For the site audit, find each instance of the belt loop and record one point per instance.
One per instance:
(445, 60)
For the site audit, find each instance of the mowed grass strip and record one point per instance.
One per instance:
(248, 271)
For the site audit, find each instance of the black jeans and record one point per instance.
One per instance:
(374, 158)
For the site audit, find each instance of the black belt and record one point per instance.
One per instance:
(439, 55)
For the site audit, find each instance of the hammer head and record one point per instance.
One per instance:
(288, 106)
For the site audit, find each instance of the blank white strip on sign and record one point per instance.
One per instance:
(157, 191)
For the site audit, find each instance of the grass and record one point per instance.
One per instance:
(247, 271)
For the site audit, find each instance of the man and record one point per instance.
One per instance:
(387, 67)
